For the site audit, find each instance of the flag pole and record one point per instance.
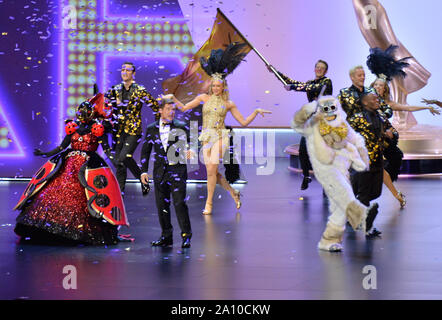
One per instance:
(254, 49)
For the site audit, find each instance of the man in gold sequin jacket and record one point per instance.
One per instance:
(350, 97)
(128, 98)
(375, 129)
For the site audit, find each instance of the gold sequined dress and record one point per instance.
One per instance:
(214, 114)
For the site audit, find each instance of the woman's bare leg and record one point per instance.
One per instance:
(392, 188)
(221, 146)
(212, 170)
(212, 157)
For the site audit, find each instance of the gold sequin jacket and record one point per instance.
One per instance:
(128, 113)
(351, 104)
(374, 139)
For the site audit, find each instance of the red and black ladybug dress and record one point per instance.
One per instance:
(74, 196)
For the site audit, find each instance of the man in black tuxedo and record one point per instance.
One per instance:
(169, 139)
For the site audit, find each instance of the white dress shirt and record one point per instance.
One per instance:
(164, 134)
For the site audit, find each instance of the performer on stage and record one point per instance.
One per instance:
(351, 104)
(350, 97)
(392, 152)
(334, 147)
(367, 185)
(74, 197)
(312, 88)
(383, 64)
(128, 97)
(214, 135)
(169, 140)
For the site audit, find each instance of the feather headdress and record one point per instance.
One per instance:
(222, 62)
(383, 64)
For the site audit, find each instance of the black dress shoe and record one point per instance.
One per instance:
(162, 242)
(186, 243)
(371, 215)
(375, 233)
(145, 188)
(305, 182)
(186, 239)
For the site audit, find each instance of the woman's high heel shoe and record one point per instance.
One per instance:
(237, 198)
(208, 209)
(401, 199)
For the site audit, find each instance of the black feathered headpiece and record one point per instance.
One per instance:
(382, 63)
(223, 62)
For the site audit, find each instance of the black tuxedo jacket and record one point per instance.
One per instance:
(172, 159)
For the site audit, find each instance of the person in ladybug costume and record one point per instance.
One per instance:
(74, 197)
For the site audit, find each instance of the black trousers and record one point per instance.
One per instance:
(172, 183)
(304, 158)
(367, 185)
(123, 158)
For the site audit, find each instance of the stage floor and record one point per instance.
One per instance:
(266, 251)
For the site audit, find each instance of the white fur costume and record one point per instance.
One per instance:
(332, 153)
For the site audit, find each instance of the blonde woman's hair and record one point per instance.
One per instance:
(353, 70)
(225, 95)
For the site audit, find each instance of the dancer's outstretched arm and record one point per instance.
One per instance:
(239, 117)
(400, 107)
(190, 105)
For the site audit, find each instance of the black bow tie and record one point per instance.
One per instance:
(164, 124)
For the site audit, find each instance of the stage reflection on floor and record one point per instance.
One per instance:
(265, 251)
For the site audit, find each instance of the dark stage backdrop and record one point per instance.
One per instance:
(52, 52)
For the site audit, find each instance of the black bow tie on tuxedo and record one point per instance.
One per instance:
(164, 124)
